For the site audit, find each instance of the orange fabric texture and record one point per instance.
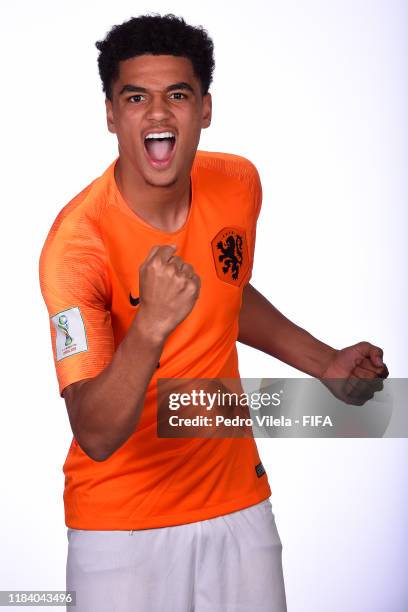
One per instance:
(90, 261)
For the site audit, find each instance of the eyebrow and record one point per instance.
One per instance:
(132, 88)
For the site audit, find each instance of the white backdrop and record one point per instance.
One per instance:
(314, 93)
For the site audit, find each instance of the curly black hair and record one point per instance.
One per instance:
(156, 35)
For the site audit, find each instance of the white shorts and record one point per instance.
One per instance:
(230, 563)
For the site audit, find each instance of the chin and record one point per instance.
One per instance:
(155, 180)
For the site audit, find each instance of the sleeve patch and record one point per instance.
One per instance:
(70, 334)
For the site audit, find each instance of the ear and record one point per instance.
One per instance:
(207, 111)
(109, 116)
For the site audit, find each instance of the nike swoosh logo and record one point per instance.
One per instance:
(132, 300)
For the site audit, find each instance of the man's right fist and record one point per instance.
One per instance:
(168, 289)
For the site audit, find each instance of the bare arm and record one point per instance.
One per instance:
(359, 367)
(263, 327)
(104, 410)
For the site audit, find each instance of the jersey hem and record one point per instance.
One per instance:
(169, 520)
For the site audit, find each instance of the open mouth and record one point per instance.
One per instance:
(159, 148)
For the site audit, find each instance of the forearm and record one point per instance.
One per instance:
(110, 405)
(263, 327)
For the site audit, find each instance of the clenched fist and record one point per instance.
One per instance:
(168, 288)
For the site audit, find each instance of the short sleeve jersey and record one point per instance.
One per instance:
(89, 275)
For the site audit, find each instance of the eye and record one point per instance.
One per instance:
(133, 98)
(179, 95)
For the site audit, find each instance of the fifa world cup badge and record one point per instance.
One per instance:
(70, 334)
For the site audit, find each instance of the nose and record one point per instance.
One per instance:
(158, 109)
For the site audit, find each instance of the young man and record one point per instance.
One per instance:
(145, 274)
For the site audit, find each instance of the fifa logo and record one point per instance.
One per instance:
(63, 325)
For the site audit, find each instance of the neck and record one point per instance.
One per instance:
(165, 208)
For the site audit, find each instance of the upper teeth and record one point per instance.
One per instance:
(161, 135)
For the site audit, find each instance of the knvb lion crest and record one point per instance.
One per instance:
(230, 251)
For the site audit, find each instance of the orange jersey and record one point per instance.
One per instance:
(89, 275)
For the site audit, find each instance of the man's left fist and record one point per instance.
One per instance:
(359, 366)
